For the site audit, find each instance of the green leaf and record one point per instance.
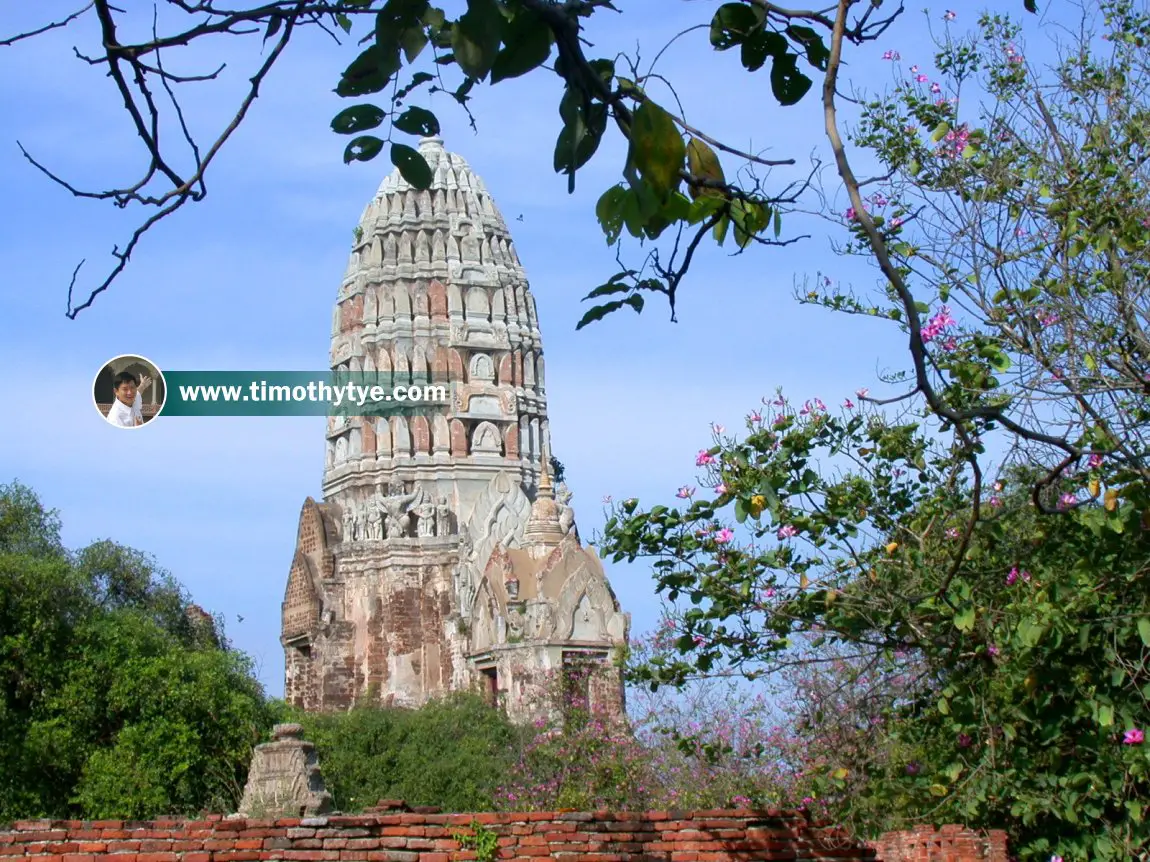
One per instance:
(964, 619)
(580, 136)
(598, 313)
(362, 149)
(1030, 5)
(944, 706)
(1105, 715)
(787, 83)
(357, 118)
(940, 132)
(476, 37)
(703, 163)
(657, 149)
(369, 72)
(417, 121)
(759, 46)
(412, 165)
(719, 231)
(609, 212)
(607, 289)
(343, 21)
(732, 23)
(274, 25)
(937, 790)
(528, 45)
(817, 53)
(1144, 630)
(635, 301)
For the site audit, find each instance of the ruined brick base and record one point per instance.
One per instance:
(394, 833)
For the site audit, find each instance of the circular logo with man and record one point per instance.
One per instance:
(129, 391)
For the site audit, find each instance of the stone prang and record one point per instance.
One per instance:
(442, 558)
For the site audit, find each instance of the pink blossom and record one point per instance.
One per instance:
(914, 70)
(755, 417)
(769, 593)
(1067, 500)
(698, 640)
(994, 502)
(607, 500)
(935, 326)
(704, 458)
(922, 79)
(896, 222)
(780, 419)
(848, 404)
(949, 16)
(718, 429)
(786, 531)
(685, 492)
(1094, 462)
(997, 486)
(1133, 737)
(1020, 231)
(850, 214)
(721, 488)
(991, 649)
(891, 55)
(862, 393)
(952, 533)
(1056, 858)
(936, 87)
(1013, 575)
(724, 535)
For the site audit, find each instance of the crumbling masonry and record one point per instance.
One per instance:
(442, 558)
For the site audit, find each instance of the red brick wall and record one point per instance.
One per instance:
(391, 836)
(951, 843)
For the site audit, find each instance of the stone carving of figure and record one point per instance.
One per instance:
(373, 521)
(396, 511)
(425, 517)
(566, 513)
(357, 523)
(348, 524)
(442, 518)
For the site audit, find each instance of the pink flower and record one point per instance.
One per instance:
(1133, 737)
(1058, 858)
(698, 640)
(780, 419)
(704, 458)
(1067, 500)
(991, 649)
(935, 326)
(936, 87)
(755, 417)
(922, 79)
(850, 214)
(914, 70)
(1020, 231)
(952, 533)
(721, 488)
(1013, 576)
(1094, 462)
(769, 593)
(891, 55)
(994, 502)
(896, 222)
(718, 429)
(786, 531)
(724, 535)
(862, 393)
(949, 16)
(685, 493)
(607, 500)
(848, 404)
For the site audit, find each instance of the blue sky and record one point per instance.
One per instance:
(247, 278)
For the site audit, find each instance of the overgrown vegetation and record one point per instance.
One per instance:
(117, 699)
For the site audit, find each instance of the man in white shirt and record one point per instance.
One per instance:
(127, 410)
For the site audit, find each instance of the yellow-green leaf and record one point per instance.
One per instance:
(704, 164)
(657, 149)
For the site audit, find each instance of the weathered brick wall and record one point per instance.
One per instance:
(700, 836)
(951, 843)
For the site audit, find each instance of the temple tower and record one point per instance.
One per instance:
(441, 557)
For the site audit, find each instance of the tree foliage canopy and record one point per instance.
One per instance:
(117, 697)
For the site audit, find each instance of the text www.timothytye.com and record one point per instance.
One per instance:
(339, 395)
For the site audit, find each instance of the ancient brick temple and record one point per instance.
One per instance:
(442, 558)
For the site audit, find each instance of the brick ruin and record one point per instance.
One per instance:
(442, 556)
(396, 833)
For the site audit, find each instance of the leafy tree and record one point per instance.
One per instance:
(116, 699)
(672, 182)
(451, 753)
